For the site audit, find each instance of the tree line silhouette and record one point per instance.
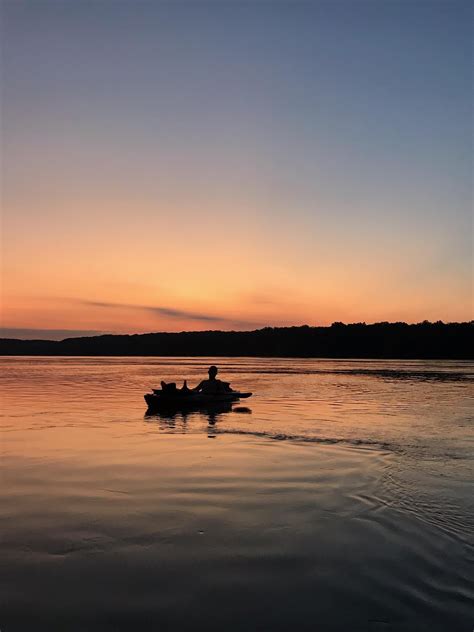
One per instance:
(357, 340)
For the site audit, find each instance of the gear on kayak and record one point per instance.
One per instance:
(206, 393)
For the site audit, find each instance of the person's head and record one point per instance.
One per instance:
(212, 372)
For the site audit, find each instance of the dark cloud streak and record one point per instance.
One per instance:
(178, 314)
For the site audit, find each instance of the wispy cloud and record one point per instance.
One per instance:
(178, 314)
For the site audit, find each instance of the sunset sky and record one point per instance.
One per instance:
(175, 166)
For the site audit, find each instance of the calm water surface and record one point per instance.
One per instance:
(339, 497)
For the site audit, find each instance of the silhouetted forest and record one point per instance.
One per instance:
(358, 340)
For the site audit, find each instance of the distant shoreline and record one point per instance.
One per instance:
(352, 341)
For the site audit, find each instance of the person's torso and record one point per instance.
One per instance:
(212, 386)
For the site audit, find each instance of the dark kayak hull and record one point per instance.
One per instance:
(157, 400)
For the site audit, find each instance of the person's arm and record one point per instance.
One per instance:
(198, 387)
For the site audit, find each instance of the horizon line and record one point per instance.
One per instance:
(91, 333)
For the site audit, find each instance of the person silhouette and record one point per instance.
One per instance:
(212, 385)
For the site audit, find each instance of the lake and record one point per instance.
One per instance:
(338, 497)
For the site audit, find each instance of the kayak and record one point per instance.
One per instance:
(189, 399)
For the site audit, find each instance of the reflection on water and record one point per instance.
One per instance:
(176, 419)
(339, 499)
